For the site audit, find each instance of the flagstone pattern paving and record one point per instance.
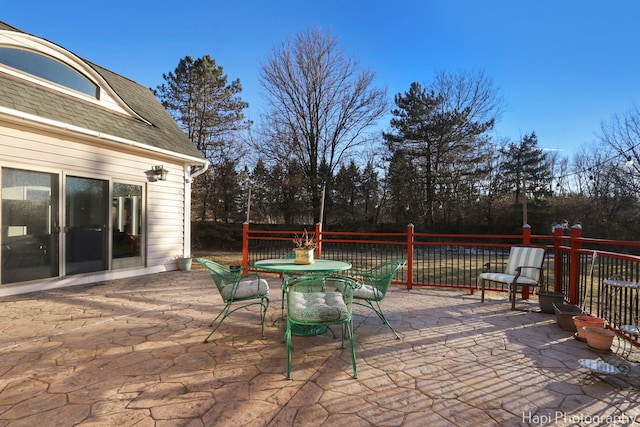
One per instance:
(129, 353)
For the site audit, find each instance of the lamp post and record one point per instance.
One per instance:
(322, 203)
(247, 179)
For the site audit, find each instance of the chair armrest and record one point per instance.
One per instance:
(520, 267)
(243, 276)
(352, 282)
(528, 266)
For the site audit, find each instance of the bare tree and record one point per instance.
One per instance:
(319, 107)
(471, 91)
(622, 134)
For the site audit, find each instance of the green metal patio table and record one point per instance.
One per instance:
(288, 266)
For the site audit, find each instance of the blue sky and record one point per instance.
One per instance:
(562, 66)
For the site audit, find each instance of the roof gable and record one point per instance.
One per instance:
(128, 111)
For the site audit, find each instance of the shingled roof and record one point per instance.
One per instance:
(159, 130)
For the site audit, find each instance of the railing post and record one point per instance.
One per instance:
(526, 240)
(574, 266)
(245, 245)
(318, 239)
(557, 258)
(526, 234)
(410, 238)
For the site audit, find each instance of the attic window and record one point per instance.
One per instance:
(49, 69)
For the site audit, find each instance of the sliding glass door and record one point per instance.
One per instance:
(30, 227)
(86, 225)
(126, 219)
(103, 225)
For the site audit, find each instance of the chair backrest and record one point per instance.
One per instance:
(220, 274)
(316, 283)
(523, 256)
(381, 275)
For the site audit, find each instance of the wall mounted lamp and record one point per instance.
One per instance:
(159, 173)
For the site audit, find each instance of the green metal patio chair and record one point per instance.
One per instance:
(286, 278)
(319, 301)
(237, 288)
(373, 286)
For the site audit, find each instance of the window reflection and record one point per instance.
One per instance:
(126, 208)
(47, 68)
(30, 229)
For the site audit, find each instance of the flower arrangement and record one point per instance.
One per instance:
(304, 241)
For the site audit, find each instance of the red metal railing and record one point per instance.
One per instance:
(574, 265)
(362, 249)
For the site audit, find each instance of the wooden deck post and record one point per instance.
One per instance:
(245, 245)
(410, 238)
(558, 261)
(318, 234)
(526, 240)
(574, 264)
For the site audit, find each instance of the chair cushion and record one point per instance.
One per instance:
(507, 278)
(525, 257)
(245, 289)
(317, 307)
(367, 292)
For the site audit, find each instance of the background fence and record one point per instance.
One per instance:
(574, 265)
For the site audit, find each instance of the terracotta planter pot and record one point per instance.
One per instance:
(598, 339)
(581, 321)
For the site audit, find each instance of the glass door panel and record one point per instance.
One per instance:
(126, 212)
(30, 227)
(86, 231)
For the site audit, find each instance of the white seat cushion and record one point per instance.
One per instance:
(507, 278)
(317, 307)
(367, 292)
(246, 289)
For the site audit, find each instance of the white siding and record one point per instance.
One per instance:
(165, 200)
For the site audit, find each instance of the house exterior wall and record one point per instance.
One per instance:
(66, 153)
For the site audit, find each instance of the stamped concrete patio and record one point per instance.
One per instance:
(130, 353)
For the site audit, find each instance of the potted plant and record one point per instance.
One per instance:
(547, 298)
(184, 264)
(304, 245)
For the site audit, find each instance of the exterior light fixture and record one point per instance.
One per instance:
(160, 173)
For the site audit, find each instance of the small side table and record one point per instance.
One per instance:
(619, 292)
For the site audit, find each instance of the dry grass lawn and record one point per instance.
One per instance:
(222, 257)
